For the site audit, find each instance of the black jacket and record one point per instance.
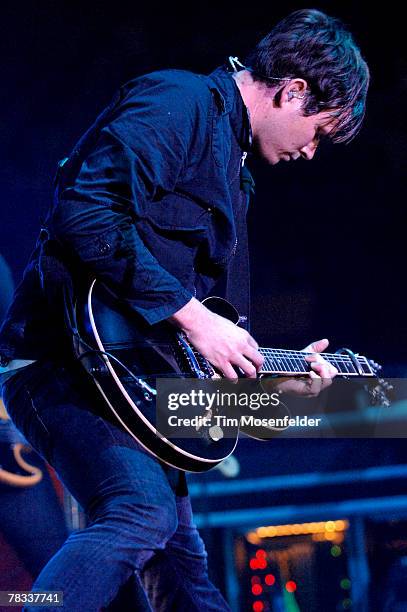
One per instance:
(152, 201)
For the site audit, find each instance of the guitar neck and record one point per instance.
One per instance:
(285, 362)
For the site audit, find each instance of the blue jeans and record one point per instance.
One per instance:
(140, 549)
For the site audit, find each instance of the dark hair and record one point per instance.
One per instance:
(310, 45)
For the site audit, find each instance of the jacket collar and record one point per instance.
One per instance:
(230, 102)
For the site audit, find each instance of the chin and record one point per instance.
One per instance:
(270, 157)
(271, 160)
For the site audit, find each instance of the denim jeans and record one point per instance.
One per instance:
(140, 550)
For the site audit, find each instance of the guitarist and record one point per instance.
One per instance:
(152, 201)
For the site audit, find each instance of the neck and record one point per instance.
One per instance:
(281, 361)
(246, 85)
(256, 97)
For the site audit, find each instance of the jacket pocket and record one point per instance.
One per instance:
(101, 246)
(177, 212)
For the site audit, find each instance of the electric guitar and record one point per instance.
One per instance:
(124, 356)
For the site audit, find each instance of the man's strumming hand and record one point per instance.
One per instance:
(223, 343)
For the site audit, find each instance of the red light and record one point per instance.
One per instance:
(261, 554)
(261, 563)
(291, 586)
(269, 579)
(254, 564)
(257, 589)
(258, 606)
(256, 580)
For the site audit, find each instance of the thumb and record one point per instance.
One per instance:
(317, 347)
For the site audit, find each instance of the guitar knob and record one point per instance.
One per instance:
(216, 433)
(96, 370)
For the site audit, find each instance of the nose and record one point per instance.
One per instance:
(309, 150)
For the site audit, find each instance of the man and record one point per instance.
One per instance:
(152, 202)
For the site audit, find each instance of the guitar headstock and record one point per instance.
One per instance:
(379, 389)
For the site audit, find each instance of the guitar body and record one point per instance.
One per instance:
(124, 357)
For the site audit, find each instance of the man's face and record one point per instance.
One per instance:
(287, 134)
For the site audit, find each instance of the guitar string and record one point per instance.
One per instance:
(295, 360)
(285, 352)
(328, 356)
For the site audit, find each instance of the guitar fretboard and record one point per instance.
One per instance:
(280, 361)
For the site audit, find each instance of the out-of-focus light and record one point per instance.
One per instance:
(291, 586)
(318, 537)
(261, 563)
(345, 584)
(257, 589)
(336, 551)
(314, 527)
(256, 580)
(341, 525)
(254, 564)
(269, 579)
(258, 606)
(261, 554)
(253, 538)
(346, 604)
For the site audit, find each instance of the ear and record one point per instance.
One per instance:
(294, 92)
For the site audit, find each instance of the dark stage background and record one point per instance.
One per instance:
(328, 241)
(328, 237)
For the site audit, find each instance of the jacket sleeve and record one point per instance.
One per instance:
(139, 154)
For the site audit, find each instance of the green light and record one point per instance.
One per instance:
(345, 584)
(336, 550)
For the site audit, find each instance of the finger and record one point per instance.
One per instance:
(252, 342)
(326, 382)
(247, 366)
(316, 359)
(229, 372)
(315, 384)
(317, 347)
(323, 375)
(255, 357)
(323, 368)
